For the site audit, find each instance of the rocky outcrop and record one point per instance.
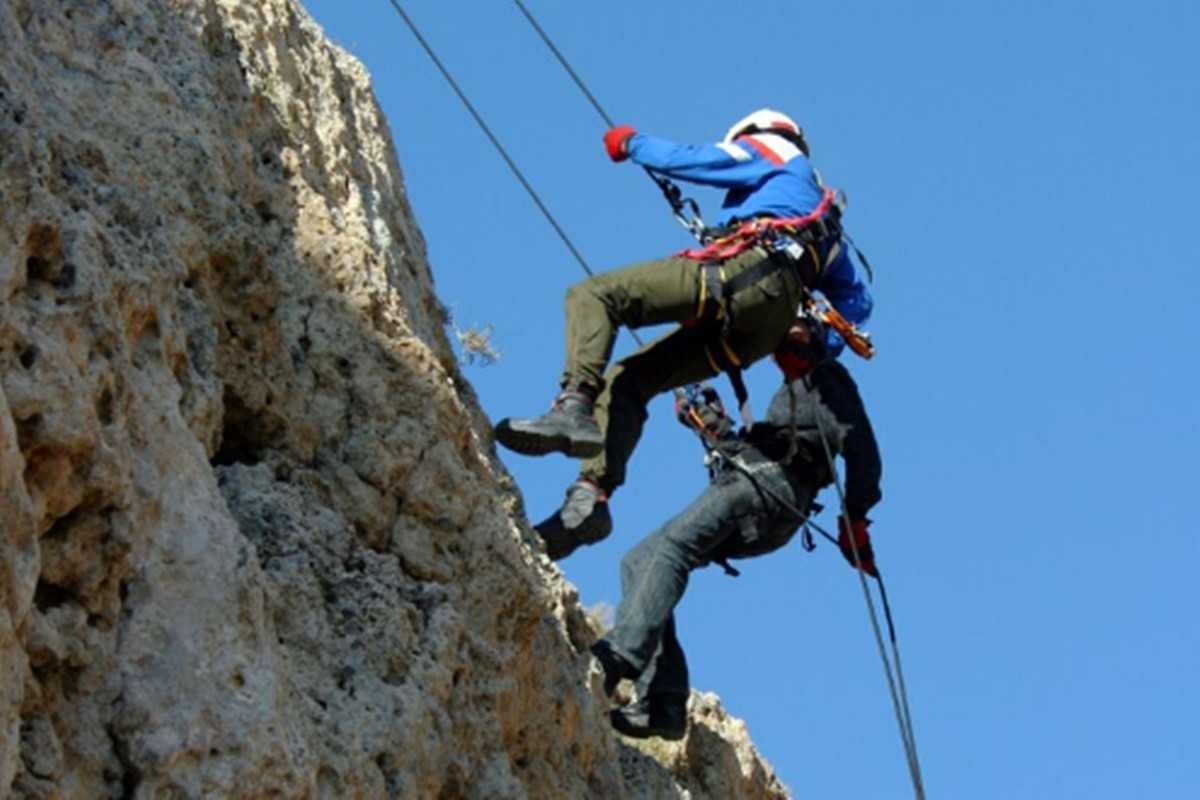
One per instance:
(253, 539)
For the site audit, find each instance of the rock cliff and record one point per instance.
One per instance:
(253, 538)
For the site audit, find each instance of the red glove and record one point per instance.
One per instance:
(862, 541)
(616, 142)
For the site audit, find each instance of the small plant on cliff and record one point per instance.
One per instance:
(476, 344)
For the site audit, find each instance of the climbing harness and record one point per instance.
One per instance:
(790, 242)
(820, 223)
(687, 212)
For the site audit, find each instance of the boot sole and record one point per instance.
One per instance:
(561, 542)
(533, 444)
(670, 734)
(558, 543)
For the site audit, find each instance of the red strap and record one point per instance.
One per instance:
(763, 150)
(749, 233)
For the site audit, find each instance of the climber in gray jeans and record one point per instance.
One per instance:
(763, 477)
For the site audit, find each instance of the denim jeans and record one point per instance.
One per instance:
(735, 517)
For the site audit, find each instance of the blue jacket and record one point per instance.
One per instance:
(766, 176)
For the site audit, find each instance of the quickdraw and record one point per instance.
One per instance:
(688, 402)
(685, 209)
(859, 341)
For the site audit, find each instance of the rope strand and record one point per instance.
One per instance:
(903, 719)
(681, 206)
(912, 737)
(565, 64)
(512, 165)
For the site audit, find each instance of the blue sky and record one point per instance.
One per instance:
(1023, 176)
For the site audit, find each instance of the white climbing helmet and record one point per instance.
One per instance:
(767, 120)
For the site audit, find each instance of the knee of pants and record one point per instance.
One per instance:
(676, 548)
(627, 393)
(632, 563)
(582, 291)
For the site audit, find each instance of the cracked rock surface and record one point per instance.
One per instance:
(253, 538)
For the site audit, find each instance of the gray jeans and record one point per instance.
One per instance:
(735, 517)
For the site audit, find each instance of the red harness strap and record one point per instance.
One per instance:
(750, 233)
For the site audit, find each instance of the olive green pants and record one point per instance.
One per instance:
(651, 293)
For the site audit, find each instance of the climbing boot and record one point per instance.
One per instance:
(661, 715)
(583, 519)
(614, 665)
(568, 427)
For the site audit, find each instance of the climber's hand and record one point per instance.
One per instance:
(616, 142)
(862, 542)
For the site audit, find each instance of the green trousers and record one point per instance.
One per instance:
(651, 293)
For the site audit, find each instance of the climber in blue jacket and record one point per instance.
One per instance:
(777, 238)
(766, 175)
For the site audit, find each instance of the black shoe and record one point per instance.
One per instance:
(583, 519)
(661, 715)
(568, 427)
(615, 667)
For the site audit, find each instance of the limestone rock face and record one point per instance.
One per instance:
(253, 538)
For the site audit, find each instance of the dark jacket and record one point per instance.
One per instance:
(827, 399)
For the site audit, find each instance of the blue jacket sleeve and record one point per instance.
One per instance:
(725, 165)
(844, 288)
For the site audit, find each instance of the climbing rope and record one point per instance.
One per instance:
(566, 65)
(512, 165)
(685, 209)
(896, 685)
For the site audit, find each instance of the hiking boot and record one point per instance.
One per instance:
(614, 665)
(583, 519)
(568, 427)
(661, 715)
